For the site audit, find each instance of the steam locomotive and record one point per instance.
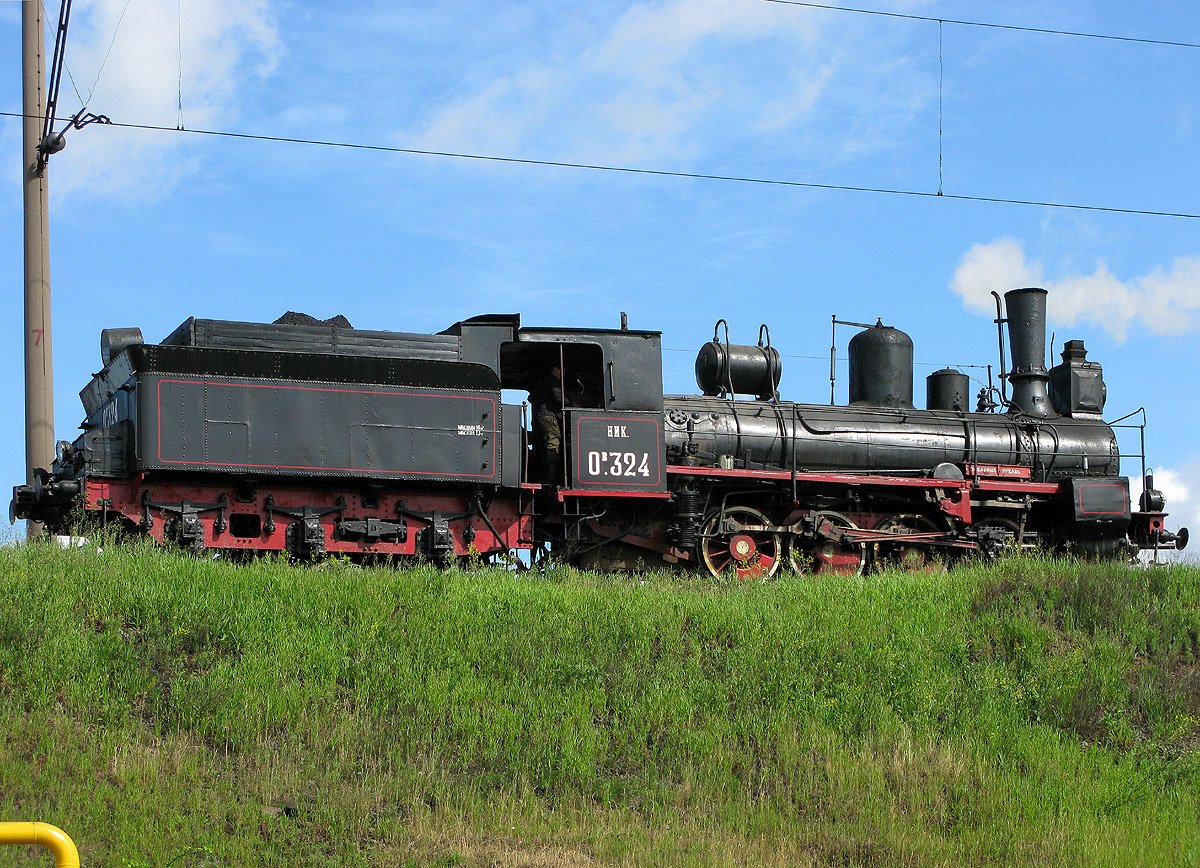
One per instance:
(312, 437)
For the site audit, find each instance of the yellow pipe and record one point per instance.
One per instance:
(52, 838)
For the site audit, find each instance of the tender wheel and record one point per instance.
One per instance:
(904, 554)
(742, 554)
(826, 555)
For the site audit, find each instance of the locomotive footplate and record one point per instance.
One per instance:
(564, 493)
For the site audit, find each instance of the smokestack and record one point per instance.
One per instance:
(1027, 338)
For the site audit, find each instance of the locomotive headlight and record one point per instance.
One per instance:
(64, 453)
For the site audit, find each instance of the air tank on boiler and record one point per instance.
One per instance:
(725, 368)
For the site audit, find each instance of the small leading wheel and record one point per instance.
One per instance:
(730, 551)
(826, 553)
(905, 554)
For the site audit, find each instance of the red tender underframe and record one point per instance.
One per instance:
(512, 522)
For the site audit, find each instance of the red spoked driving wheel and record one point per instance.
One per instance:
(735, 543)
(826, 552)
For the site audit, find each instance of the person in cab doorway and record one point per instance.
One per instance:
(547, 400)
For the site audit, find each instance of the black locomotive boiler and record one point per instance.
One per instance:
(313, 437)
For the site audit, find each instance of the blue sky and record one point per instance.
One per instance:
(149, 228)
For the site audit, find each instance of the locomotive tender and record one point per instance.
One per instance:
(312, 437)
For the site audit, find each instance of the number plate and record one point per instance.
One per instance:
(618, 451)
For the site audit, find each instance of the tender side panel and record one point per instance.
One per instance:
(310, 428)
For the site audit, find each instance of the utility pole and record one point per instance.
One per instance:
(39, 373)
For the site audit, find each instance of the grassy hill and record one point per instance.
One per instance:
(168, 710)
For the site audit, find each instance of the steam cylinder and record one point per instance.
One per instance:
(947, 389)
(881, 368)
(737, 368)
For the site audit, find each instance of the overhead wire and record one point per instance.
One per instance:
(658, 173)
(111, 43)
(635, 170)
(179, 45)
(74, 86)
(1113, 37)
(941, 110)
(84, 100)
(825, 359)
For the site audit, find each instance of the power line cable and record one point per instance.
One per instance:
(74, 86)
(83, 101)
(1112, 37)
(111, 43)
(825, 359)
(941, 89)
(657, 173)
(179, 46)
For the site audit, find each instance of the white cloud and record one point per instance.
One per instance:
(792, 107)
(670, 81)
(1166, 301)
(208, 54)
(1175, 487)
(995, 267)
(1181, 488)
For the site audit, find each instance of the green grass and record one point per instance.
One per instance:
(169, 710)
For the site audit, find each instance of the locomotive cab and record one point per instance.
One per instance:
(612, 405)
